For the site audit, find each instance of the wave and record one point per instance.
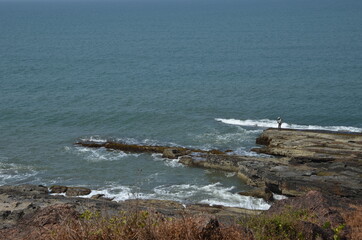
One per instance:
(97, 139)
(242, 151)
(168, 162)
(221, 140)
(11, 173)
(117, 193)
(127, 140)
(267, 123)
(100, 154)
(212, 194)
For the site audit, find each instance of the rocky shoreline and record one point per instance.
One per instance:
(32, 212)
(320, 171)
(302, 160)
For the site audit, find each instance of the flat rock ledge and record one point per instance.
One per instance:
(301, 161)
(311, 145)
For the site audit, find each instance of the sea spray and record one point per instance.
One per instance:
(267, 123)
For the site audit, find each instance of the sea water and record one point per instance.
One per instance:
(199, 74)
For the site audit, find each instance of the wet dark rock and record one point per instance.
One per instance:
(58, 189)
(174, 153)
(215, 152)
(186, 160)
(97, 196)
(27, 189)
(169, 152)
(77, 191)
(101, 197)
(263, 193)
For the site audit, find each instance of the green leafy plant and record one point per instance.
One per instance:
(337, 232)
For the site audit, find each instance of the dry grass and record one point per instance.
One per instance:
(354, 221)
(144, 225)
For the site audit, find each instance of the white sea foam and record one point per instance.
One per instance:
(279, 197)
(267, 123)
(243, 152)
(100, 154)
(210, 140)
(146, 141)
(11, 173)
(119, 193)
(94, 139)
(230, 174)
(173, 163)
(175, 192)
(213, 194)
(57, 194)
(167, 162)
(222, 196)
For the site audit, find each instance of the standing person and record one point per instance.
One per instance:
(279, 121)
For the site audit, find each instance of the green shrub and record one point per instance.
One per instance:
(279, 227)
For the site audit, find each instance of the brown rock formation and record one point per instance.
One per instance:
(311, 160)
(311, 145)
(263, 193)
(168, 152)
(77, 191)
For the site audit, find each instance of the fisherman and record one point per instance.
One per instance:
(279, 121)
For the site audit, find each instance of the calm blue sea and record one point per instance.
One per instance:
(202, 74)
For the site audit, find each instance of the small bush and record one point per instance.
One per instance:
(281, 226)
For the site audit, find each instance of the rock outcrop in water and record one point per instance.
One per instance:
(329, 162)
(303, 160)
(320, 160)
(311, 145)
(167, 152)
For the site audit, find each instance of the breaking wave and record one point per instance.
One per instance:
(267, 123)
(11, 173)
(96, 139)
(168, 162)
(212, 194)
(100, 154)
